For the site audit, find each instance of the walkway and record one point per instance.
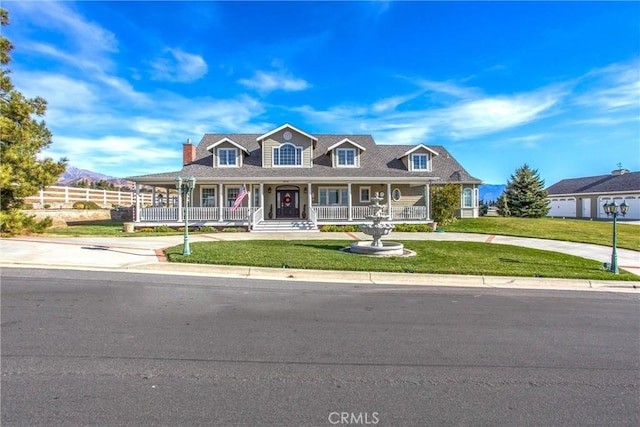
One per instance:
(145, 253)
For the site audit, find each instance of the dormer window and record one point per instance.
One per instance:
(227, 157)
(419, 162)
(346, 157)
(287, 155)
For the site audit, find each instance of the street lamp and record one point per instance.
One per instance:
(185, 188)
(611, 209)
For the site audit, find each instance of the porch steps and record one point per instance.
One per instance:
(284, 226)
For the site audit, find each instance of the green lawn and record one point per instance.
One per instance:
(432, 257)
(90, 228)
(572, 230)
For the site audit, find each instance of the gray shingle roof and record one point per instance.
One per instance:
(597, 184)
(378, 161)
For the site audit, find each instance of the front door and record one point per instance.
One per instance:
(287, 204)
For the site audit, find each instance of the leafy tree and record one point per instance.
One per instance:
(445, 201)
(22, 137)
(524, 195)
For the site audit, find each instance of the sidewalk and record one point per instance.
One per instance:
(145, 254)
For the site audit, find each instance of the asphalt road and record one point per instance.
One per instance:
(97, 348)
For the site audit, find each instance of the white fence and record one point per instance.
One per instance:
(65, 197)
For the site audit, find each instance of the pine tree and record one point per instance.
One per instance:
(22, 137)
(524, 195)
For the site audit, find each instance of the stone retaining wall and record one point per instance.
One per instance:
(64, 217)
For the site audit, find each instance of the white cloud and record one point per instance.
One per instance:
(265, 82)
(493, 114)
(177, 65)
(131, 155)
(89, 41)
(611, 88)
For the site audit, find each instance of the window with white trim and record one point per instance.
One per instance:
(346, 157)
(396, 195)
(227, 157)
(333, 196)
(467, 200)
(208, 197)
(365, 194)
(232, 193)
(287, 155)
(420, 162)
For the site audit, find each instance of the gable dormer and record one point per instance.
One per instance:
(287, 147)
(419, 159)
(227, 153)
(345, 154)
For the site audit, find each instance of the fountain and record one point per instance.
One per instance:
(377, 230)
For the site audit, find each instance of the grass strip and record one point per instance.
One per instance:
(467, 258)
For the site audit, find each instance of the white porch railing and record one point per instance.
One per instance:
(313, 215)
(204, 214)
(408, 212)
(254, 215)
(328, 213)
(158, 214)
(332, 212)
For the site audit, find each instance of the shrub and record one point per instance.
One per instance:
(47, 206)
(163, 229)
(340, 228)
(146, 230)
(233, 230)
(14, 222)
(207, 229)
(414, 228)
(86, 205)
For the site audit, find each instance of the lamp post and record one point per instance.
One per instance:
(611, 209)
(185, 188)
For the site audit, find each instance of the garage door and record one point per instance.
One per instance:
(563, 207)
(632, 201)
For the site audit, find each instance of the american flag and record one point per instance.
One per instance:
(241, 195)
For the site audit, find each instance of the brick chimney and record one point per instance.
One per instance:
(188, 152)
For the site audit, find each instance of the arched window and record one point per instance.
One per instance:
(287, 155)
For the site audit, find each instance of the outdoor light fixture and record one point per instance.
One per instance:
(611, 209)
(185, 188)
(269, 190)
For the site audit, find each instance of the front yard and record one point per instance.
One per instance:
(432, 257)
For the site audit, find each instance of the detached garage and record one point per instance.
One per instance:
(584, 197)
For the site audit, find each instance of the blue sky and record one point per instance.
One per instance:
(552, 84)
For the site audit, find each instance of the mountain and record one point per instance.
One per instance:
(74, 175)
(491, 192)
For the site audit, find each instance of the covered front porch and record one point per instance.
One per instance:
(310, 204)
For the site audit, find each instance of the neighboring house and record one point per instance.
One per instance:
(585, 197)
(306, 179)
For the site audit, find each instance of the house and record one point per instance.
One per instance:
(305, 180)
(585, 197)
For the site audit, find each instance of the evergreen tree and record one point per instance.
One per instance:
(22, 137)
(524, 196)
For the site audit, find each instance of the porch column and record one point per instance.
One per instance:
(309, 198)
(426, 201)
(390, 216)
(153, 197)
(349, 204)
(221, 199)
(262, 198)
(180, 210)
(137, 212)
